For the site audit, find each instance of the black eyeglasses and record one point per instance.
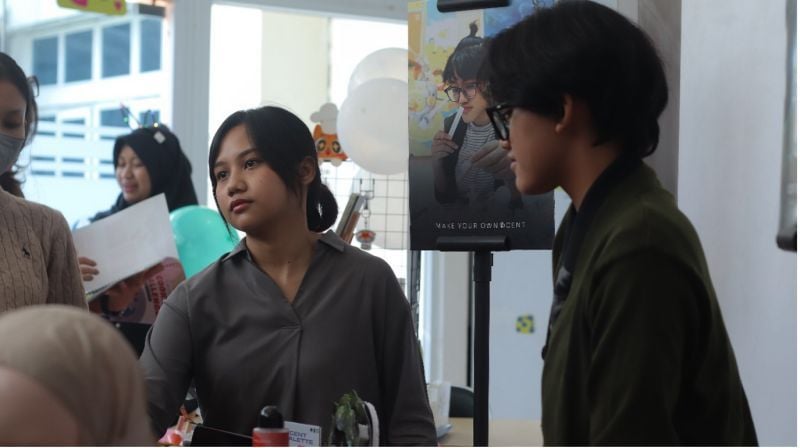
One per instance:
(469, 91)
(500, 116)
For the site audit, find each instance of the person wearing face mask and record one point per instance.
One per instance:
(38, 263)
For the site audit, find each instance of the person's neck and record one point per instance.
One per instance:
(285, 249)
(586, 165)
(481, 121)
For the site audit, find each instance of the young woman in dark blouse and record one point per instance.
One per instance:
(292, 317)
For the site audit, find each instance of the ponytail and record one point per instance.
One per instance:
(321, 206)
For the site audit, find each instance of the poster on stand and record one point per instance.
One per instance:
(460, 180)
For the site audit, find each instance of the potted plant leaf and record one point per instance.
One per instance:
(354, 422)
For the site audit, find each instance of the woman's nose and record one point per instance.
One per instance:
(234, 184)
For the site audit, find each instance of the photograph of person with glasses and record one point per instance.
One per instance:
(460, 180)
(469, 164)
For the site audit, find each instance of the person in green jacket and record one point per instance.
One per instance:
(637, 351)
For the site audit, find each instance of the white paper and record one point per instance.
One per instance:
(127, 242)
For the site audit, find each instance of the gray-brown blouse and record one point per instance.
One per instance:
(231, 330)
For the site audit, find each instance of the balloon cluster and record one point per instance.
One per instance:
(373, 120)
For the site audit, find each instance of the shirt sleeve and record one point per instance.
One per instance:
(642, 315)
(64, 283)
(407, 418)
(167, 360)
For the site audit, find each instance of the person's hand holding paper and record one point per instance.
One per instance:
(122, 294)
(123, 250)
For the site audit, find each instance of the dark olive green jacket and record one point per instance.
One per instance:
(639, 353)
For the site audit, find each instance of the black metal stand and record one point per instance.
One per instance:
(482, 276)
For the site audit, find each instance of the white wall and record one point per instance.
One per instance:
(522, 283)
(661, 20)
(295, 47)
(444, 317)
(732, 93)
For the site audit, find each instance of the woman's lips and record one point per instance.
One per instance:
(239, 205)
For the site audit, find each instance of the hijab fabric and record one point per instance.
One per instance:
(169, 168)
(84, 362)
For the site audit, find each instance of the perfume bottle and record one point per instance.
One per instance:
(270, 430)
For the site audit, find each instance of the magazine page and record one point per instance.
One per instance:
(154, 292)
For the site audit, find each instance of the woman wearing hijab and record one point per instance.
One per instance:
(37, 258)
(68, 378)
(147, 162)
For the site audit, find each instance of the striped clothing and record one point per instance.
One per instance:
(473, 183)
(38, 263)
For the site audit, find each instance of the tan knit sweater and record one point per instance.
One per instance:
(38, 263)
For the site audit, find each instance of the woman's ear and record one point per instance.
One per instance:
(307, 171)
(568, 117)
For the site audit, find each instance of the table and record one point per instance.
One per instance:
(501, 433)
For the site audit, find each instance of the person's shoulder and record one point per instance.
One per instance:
(363, 260)
(648, 220)
(206, 279)
(39, 215)
(196, 290)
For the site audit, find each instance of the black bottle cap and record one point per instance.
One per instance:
(270, 417)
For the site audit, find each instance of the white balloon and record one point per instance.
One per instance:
(373, 126)
(384, 63)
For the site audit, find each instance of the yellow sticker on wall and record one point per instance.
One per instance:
(525, 324)
(113, 7)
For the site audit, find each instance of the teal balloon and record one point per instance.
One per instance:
(201, 236)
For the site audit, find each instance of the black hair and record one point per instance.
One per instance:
(283, 141)
(10, 71)
(591, 52)
(466, 60)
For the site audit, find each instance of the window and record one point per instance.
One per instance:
(78, 56)
(82, 60)
(74, 121)
(150, 35)
(116, 50)
(45, 60)
(113, 118)
(48, 122)
(149, 117)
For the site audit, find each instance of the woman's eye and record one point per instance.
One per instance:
(221, 175)
(250, 163)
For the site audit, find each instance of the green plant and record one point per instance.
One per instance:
(348, 412)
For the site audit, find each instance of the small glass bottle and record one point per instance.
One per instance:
(270, 430)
